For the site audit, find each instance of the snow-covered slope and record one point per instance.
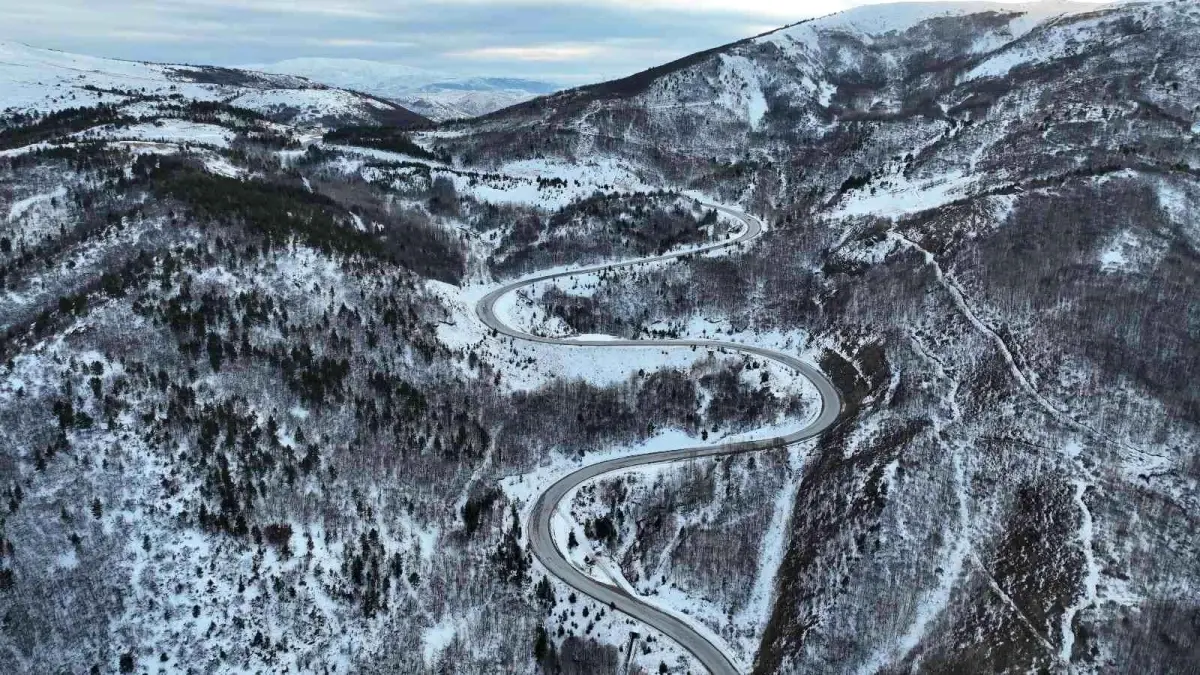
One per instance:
(862, 63)
(170, 259)
(471, 97)
(985, 217)
(249, 420)
(43, 80)
(881, 19)
(435, 94)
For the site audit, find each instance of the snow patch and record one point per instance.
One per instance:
(1091, 573)
(744, 91)
(439, 636)
(167, 131)
(1126, 252)
(20, 207)
(902, 197)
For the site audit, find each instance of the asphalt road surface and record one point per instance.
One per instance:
(541, 538)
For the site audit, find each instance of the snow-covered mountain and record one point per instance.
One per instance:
(987, 213)
(44, 80)
(471, 97)
(436, 95)
(289, 455)
(250, 420)
(866, 63)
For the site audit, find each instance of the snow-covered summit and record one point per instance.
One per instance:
(882, 19)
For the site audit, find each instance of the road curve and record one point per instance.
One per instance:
(541, 538)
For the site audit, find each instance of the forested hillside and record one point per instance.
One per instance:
(984, 223)
(250, 419)
(248, 422)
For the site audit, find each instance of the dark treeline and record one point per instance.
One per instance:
(599, 227)
(391, 139)
(27, 130)
(281, 211)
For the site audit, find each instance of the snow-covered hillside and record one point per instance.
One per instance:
(250, 420)
(42, 80)
(864, 63)
(470, 97)
(436, 95)
(984, 218)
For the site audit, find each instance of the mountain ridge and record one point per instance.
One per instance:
(28, 69)
(879, 18)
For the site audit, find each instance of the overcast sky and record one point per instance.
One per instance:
(569, 41)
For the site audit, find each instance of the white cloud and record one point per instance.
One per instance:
(353, 9)
(548, 52)
(356, 43)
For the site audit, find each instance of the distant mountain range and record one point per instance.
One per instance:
(435, 94)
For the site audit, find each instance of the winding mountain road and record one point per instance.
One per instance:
(542, 541)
